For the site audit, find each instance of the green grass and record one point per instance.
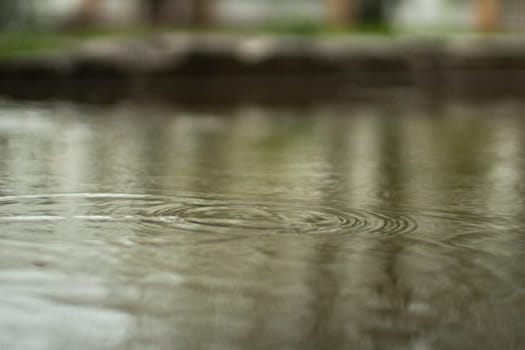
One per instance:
(19, 43)
(31, 42)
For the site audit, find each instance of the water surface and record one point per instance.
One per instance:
(368, 226)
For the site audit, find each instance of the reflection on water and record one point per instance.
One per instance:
(365, 227)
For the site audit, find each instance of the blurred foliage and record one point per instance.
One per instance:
(29, 42)
(24, 42)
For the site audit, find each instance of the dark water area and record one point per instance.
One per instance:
(371, 226)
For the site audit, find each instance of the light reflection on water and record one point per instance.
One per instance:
(365, 227)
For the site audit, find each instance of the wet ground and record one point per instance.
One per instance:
(370, 226)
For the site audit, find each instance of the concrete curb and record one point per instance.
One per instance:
(229, 68)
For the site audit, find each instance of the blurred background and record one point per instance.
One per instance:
(297, 15)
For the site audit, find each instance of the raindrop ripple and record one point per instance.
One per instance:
(202, 214)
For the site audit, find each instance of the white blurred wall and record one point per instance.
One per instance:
(256, 11)
(434, 14)
(56, 11)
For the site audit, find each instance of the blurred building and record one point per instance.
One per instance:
(256, 12)
(402, 14)
(485, 15)
(433, 14)
(511, 15)
(49, 13)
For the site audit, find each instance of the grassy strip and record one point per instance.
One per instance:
(31, 42)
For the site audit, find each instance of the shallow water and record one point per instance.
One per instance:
(364, 227)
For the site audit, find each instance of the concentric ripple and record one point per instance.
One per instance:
(247, 216)
(201, 214)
